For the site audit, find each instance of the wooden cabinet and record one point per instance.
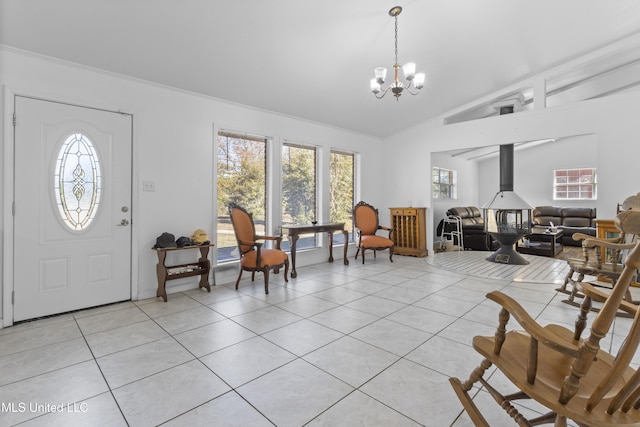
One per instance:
(409, 231)
(606, 230)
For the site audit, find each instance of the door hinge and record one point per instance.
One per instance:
(14, 119)
(13, 208)
(13, 297)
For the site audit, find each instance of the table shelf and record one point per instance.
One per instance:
(168, 272)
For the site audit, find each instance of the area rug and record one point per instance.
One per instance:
(474, 263)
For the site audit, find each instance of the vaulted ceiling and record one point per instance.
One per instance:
(314, 59)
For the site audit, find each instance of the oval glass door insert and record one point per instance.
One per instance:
(78, 182)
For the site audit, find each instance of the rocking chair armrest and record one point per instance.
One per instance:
(582, 236)
(533, 328)
(605, 243)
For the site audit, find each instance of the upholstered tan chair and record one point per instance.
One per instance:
(365, 221)
(253, 257)
(569, 375)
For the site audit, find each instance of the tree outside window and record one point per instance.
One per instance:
(299, 190)
(341, 190)
(242, 178)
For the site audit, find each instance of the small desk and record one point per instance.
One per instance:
(293, 233)
(169, 272)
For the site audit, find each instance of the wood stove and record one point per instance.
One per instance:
(507, 217)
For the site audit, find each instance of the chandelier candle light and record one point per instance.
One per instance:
(409, 70)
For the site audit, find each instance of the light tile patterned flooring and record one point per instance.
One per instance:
(370, 345)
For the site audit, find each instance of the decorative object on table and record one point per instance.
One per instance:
(183, 241)
(409, 70)
(365, 221)
(166, 240)
(252, 256)
(200, 237)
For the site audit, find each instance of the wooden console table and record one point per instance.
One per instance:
(293, 233)
(170, 272)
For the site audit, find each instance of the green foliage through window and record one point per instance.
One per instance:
(298, 184)
(242, 179)
(341, 189)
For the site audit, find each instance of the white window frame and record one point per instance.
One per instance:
(591, 181)
(452, 186)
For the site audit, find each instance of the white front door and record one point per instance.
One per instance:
(72, 232)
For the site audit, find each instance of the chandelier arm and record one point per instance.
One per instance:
(384, 92)
(410, 86)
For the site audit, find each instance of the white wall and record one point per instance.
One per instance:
(467, 186)
(533, 170)
(613, 121)
(173, 146)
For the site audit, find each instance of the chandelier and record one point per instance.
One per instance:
(415, 81)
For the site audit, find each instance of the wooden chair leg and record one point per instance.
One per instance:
(286, 270)
(363, 255)
(462, 389)
(470, 407)
(391, 254)
(357, 252)
(266, 280)
(239, 276)
(567, 279)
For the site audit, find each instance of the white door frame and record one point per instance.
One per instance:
(7, 284)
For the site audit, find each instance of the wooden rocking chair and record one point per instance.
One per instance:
(591, 263)
(572, 377)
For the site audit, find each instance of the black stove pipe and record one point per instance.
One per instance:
(506, 167)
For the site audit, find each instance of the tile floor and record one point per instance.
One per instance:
(369, 345)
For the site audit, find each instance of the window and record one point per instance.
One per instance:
(574, 184)
(78, 182)
(341, 190)
(299, 190)
(444, 183)
(242, 179)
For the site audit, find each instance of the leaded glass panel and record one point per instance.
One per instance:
(78, 182)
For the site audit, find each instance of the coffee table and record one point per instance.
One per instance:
(541, 242)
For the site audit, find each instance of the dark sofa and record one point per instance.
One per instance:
(473, 234)
(569, 220)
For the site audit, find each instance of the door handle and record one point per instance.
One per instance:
(123, 223)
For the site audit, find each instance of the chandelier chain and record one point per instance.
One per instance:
(396, 17)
